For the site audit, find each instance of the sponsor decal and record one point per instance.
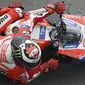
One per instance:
(18, 53)
(71, 46)
(40, 12)
(72, 54)
(71, 22)
(72, 16)
(4, 19)
(42, 32)
(25, 26)
(8, 30)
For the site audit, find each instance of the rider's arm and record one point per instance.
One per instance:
(36, 15)
(47, 10)
(4, 10)
(43, 12)
(51, 64)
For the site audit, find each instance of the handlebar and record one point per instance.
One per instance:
(59, 30)
(63, 25)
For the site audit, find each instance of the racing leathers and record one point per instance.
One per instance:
(9, 15)
(16, 72)
(31, 18)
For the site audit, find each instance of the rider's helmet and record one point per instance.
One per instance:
(17, 4)
(26, 52)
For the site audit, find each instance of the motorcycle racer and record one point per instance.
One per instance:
(20, 59)
(23, 61)
(10, 14)
(26, 25)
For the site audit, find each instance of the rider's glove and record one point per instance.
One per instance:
(16, 5)
(49, 65)
(60, 7)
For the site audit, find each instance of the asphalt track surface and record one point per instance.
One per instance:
(66, 74)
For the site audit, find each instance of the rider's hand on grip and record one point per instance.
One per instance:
(60, 7)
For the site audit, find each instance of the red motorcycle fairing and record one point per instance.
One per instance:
(77, 18)
(72, 43)
(40, 33)
(42, 37)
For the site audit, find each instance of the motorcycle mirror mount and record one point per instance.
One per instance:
(68, 9)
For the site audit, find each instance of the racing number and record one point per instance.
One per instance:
(3, 52)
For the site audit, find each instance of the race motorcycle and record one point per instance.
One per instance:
(72, 38)
(69, 32)
(71, 41)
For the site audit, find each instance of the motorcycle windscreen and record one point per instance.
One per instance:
(73, 36)
(71, 42)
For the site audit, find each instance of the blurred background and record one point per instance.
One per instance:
(72, 73)
(77, 7)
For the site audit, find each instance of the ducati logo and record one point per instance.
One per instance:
(4, 19)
